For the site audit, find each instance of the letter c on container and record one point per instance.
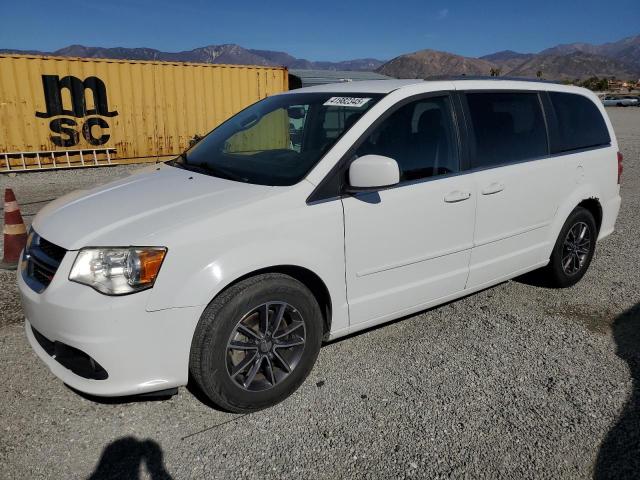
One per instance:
(88, 135)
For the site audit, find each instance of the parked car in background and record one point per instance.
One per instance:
(612, 101)
(236, 260)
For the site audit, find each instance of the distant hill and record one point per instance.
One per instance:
(507, 60)
(506, 55)
(431, 63)
(99, 52)
(573, 65)
(8, 51)
(359, 64)
(280, 58)
(564, 62)
(226, 53)
(283, 58)
(626, 50)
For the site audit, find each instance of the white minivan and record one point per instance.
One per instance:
(308, 216)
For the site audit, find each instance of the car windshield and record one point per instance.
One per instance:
(278, 140)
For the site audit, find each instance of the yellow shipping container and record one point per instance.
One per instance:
(60, 112)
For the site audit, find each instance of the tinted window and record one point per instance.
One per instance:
(419, 136)
(580, 124)
(508, 127)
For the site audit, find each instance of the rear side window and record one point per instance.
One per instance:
(508, 127)
(580, 123)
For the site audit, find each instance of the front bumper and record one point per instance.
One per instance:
(141, 351)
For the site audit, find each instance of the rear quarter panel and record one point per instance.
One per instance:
(589, 174)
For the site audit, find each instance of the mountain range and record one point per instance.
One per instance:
(562, 62)
(226, 53)
(619, 59)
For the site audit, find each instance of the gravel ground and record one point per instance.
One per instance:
(514, 382)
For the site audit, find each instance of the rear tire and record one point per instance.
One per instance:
(573, 251)
(256, 343)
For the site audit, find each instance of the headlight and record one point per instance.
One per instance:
(118, 271)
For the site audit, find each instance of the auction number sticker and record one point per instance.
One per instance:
(355, 102)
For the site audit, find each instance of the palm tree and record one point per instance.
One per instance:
(494, 72)
(539, 74)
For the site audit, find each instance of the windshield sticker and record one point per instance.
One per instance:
(355, 102)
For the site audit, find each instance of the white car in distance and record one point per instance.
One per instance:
(611, 101)
(236, 260)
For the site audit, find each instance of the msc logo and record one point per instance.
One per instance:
(66, 128)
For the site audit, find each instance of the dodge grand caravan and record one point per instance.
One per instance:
(308, 216)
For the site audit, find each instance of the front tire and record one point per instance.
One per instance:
(256, 342)
(573, 250)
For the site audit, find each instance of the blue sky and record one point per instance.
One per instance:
(317, 30)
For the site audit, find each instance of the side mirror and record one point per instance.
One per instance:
(372, 172)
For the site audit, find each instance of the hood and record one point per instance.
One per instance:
(136, 210)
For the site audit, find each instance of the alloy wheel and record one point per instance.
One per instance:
(576, 247)
(265, 346)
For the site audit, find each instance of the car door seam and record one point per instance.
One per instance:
(513, 233)
(344, 260)
(413, 261)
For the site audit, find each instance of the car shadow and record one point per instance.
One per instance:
(619, 454)
(536, 278)
(385, 324)
(194, 389)
(123, 458)
(143, 397)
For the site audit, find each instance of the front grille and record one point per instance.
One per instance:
(53, 251)
(40, 262)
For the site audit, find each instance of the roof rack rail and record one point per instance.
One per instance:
(488, 77)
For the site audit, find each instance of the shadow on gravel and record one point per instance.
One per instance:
(144, 397)
(619, 455)
(388, 323)
(536, 278)
(122, 458)
(197, 392)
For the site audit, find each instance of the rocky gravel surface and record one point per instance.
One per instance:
(514, 382)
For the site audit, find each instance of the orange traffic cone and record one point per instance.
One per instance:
(15, 232)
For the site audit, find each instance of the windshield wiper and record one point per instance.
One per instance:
(207, 169)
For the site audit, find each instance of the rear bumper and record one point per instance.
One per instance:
(610, 210)
(140, 351)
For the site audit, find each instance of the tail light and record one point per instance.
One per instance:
(620, 158)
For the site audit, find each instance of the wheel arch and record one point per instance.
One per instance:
(592, 204)
(587, 197)
(307, 277)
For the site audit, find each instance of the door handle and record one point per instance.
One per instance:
(495, 187)
(457, 196)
